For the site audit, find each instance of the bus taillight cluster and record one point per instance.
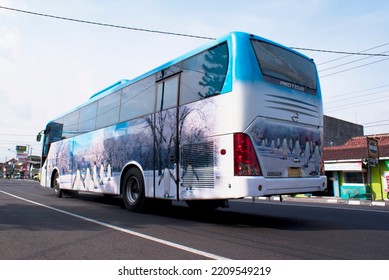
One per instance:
(245, 158)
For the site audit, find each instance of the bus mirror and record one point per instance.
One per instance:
(39, 136)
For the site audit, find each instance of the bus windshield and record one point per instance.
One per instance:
(285, 68)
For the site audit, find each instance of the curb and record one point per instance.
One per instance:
(329, 200)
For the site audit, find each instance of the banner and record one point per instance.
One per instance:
(21, 152)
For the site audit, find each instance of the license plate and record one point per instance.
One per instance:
(294, 172)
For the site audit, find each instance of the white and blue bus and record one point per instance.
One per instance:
(239, 117)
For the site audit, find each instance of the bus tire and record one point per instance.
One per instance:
(57, 186)
(134, 190)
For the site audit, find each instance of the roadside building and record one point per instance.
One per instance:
(337, 132)
(32, 166)
(26, 168)
(11, 168)
(353, 174)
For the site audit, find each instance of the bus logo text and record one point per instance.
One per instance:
(290, 85)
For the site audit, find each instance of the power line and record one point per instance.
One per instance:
(354, 68)
(340, 52)
(346, 63)
(107, 24)
(376, 122)
(358, 91)
(353, 105)
(357, 104)
(351, 62)
(19, 135)
(171, 33)
(357, 96)
(384, 124)
(339, 58)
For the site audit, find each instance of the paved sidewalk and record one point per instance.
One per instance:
(333, 200)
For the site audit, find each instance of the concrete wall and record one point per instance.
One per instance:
(337, 132)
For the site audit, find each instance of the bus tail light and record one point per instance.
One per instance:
(245, 158)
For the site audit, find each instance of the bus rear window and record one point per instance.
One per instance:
(285, 68)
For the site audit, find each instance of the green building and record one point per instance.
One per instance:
(359, 169)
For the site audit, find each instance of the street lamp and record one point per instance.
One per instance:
(16, 155)
(12, 164)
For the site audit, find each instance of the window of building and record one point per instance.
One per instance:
(354, 177)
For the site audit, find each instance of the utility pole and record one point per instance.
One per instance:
(373, 156)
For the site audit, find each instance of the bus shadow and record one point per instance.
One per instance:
(235, 218)
(230, 217)
(239, 215)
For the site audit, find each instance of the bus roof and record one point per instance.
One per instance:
(124, 82)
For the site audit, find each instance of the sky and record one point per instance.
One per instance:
(49, 66)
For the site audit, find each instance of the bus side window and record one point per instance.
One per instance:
(70, 123)
(167, 93)
(87, 120)
(138, 99)
(108, 110)
(55, 131)
(204, 74)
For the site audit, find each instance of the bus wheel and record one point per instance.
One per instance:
(134, 190)
(56, 186)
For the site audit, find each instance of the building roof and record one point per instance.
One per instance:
(356, 148)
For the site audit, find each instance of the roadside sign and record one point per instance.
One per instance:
(372, 149)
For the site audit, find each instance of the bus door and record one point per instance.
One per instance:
(43, 172)
(166, 141)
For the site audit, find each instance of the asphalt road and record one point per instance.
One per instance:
(34, 224)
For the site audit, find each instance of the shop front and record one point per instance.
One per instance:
(359, 169)
(349, 179)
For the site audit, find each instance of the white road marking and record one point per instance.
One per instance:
(127, 231)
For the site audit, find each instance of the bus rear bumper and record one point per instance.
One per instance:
(254, 186)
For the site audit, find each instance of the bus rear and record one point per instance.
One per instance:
(279, 150)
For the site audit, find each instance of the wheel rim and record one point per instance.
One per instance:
(56, 185)
(132, 190)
